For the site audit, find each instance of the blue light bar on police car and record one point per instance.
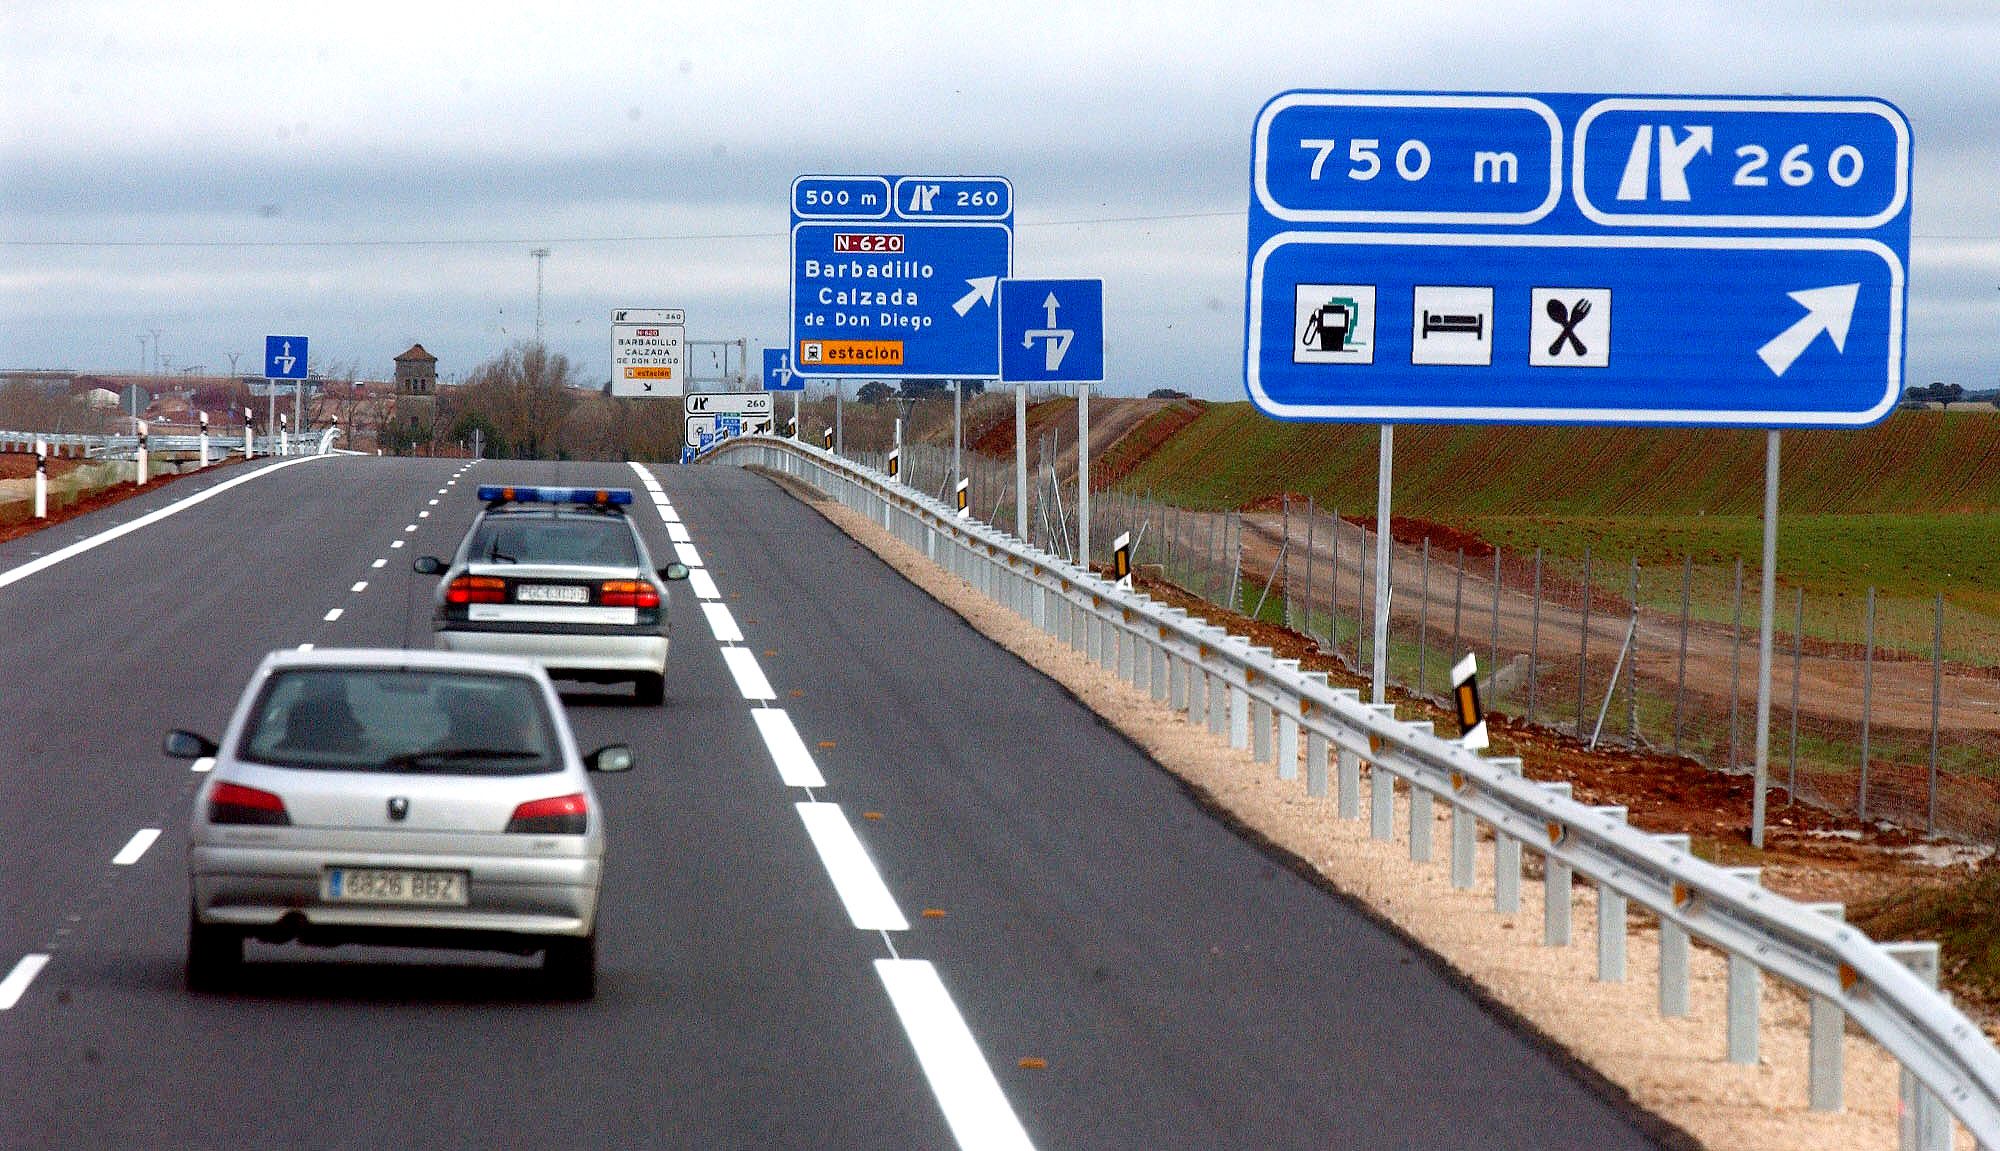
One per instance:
(506, 494)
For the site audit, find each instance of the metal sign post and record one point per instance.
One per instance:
(1384, 540)
(1770, 591)
(1052, 332)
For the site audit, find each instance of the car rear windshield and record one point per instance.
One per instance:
(378, 719)
(597, 540)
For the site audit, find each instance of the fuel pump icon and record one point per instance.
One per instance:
(1329, 326)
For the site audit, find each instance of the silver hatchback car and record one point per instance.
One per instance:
(393, 797)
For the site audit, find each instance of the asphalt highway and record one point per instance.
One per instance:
(956, 911)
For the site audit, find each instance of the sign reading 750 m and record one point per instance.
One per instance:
(1567, 258)
(896, 275)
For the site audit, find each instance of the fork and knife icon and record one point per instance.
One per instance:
(1569, 317)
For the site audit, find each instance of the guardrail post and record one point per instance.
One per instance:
(1162, 665)
(1422, 817)
(1922, 1123)
(1381, 788)
(1288, 730)
(1464, 844)
(1347, 789)
(1239, 717)
(1220, 703)
(1177, 674)
(1260, 730)
(1746, 993)
(1674, 945)
(1825, 1030)
(1317, 759)
(1555, 885)
(1506, 854)
(1611, 908)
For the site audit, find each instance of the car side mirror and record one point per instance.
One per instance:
(428, 565)
(611, 757)
(674, 571)
(187, 745)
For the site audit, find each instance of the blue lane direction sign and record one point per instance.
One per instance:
(284, 357)
(1052, 331)
(778, 373)
(1418, 257)
(897, 276)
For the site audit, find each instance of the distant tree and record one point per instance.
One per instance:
(874, 392)
(1166, 394)
(921, 389)
(1948, 394)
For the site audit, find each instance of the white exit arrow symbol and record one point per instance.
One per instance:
(1829, 310)
(981, 293)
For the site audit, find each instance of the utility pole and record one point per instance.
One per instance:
(232, 363)
(540, 255)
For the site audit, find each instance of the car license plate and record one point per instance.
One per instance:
(379, 885)
(551, 593)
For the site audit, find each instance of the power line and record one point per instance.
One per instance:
(511, 241)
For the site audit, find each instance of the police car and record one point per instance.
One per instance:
(558, 575)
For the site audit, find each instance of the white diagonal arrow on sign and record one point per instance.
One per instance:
(981, 293)
(1829, 309)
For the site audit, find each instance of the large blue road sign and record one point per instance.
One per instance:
(284, 357)
(778, 373)
(1052, 331)
(896, 275)
(1577, 259)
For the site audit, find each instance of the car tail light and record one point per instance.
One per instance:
(234, 803)
(560, 815)
(476, 589)
(628, 593)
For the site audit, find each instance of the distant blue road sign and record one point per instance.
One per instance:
(1578, 259)
(897, 276)
(284, 357)
(778, 373)
(1052, 331)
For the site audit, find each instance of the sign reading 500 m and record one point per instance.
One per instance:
(1566, 258)
(897, 275)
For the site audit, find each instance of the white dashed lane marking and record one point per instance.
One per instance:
(135, 848)
(678, 533)
(359, 587)
(16, 983)
(749, 677)
(975, 1108)
(855, 878)
(703, 584)
(788, 751)
(722, 623)
(384, 562)
(331, 615)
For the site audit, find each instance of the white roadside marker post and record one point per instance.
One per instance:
(204, 439)
(141, 468)
(284, 434)
(249, 434)
(41, 478)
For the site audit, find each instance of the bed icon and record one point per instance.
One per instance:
(1472, 324)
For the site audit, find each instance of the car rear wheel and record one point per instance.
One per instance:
(649, 689)
(569, 967)
(214, 955)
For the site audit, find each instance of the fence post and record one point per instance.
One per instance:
(1333, 590)
(1458, 613)
(1674, 942)
(1681, 679)
(1535, 641)
(1285, 563)
(1583, 648)
(1798, 673)
(1867, 704)
(1746, 992)
(1632, 677)
(1424, 624)
(1937, 703)
(1311, 523)
(1493, 651)
(1735, 662)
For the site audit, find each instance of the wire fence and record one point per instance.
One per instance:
(1882, 709)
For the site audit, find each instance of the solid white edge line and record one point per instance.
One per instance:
(788, 751)
(854, 876)
(974, 1107)
(687, 555)
(16, 575)
(331, 615)
(669, 515)
(204, 764)
(749, 677)
(16, 983)
(678, 533)
(722, 623)
(136, 847)
(703, 584)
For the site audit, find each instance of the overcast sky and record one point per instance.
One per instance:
(376, 175)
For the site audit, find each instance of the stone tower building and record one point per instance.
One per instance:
(416, 398)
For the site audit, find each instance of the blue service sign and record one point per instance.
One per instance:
(1577, 259)
(1052, 331)
(778, 373)
(284, 357)
(897, 276)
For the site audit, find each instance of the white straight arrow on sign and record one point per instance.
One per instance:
(1829, 310)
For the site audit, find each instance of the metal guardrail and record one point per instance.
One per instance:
(127, 447)
(1267, 704)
